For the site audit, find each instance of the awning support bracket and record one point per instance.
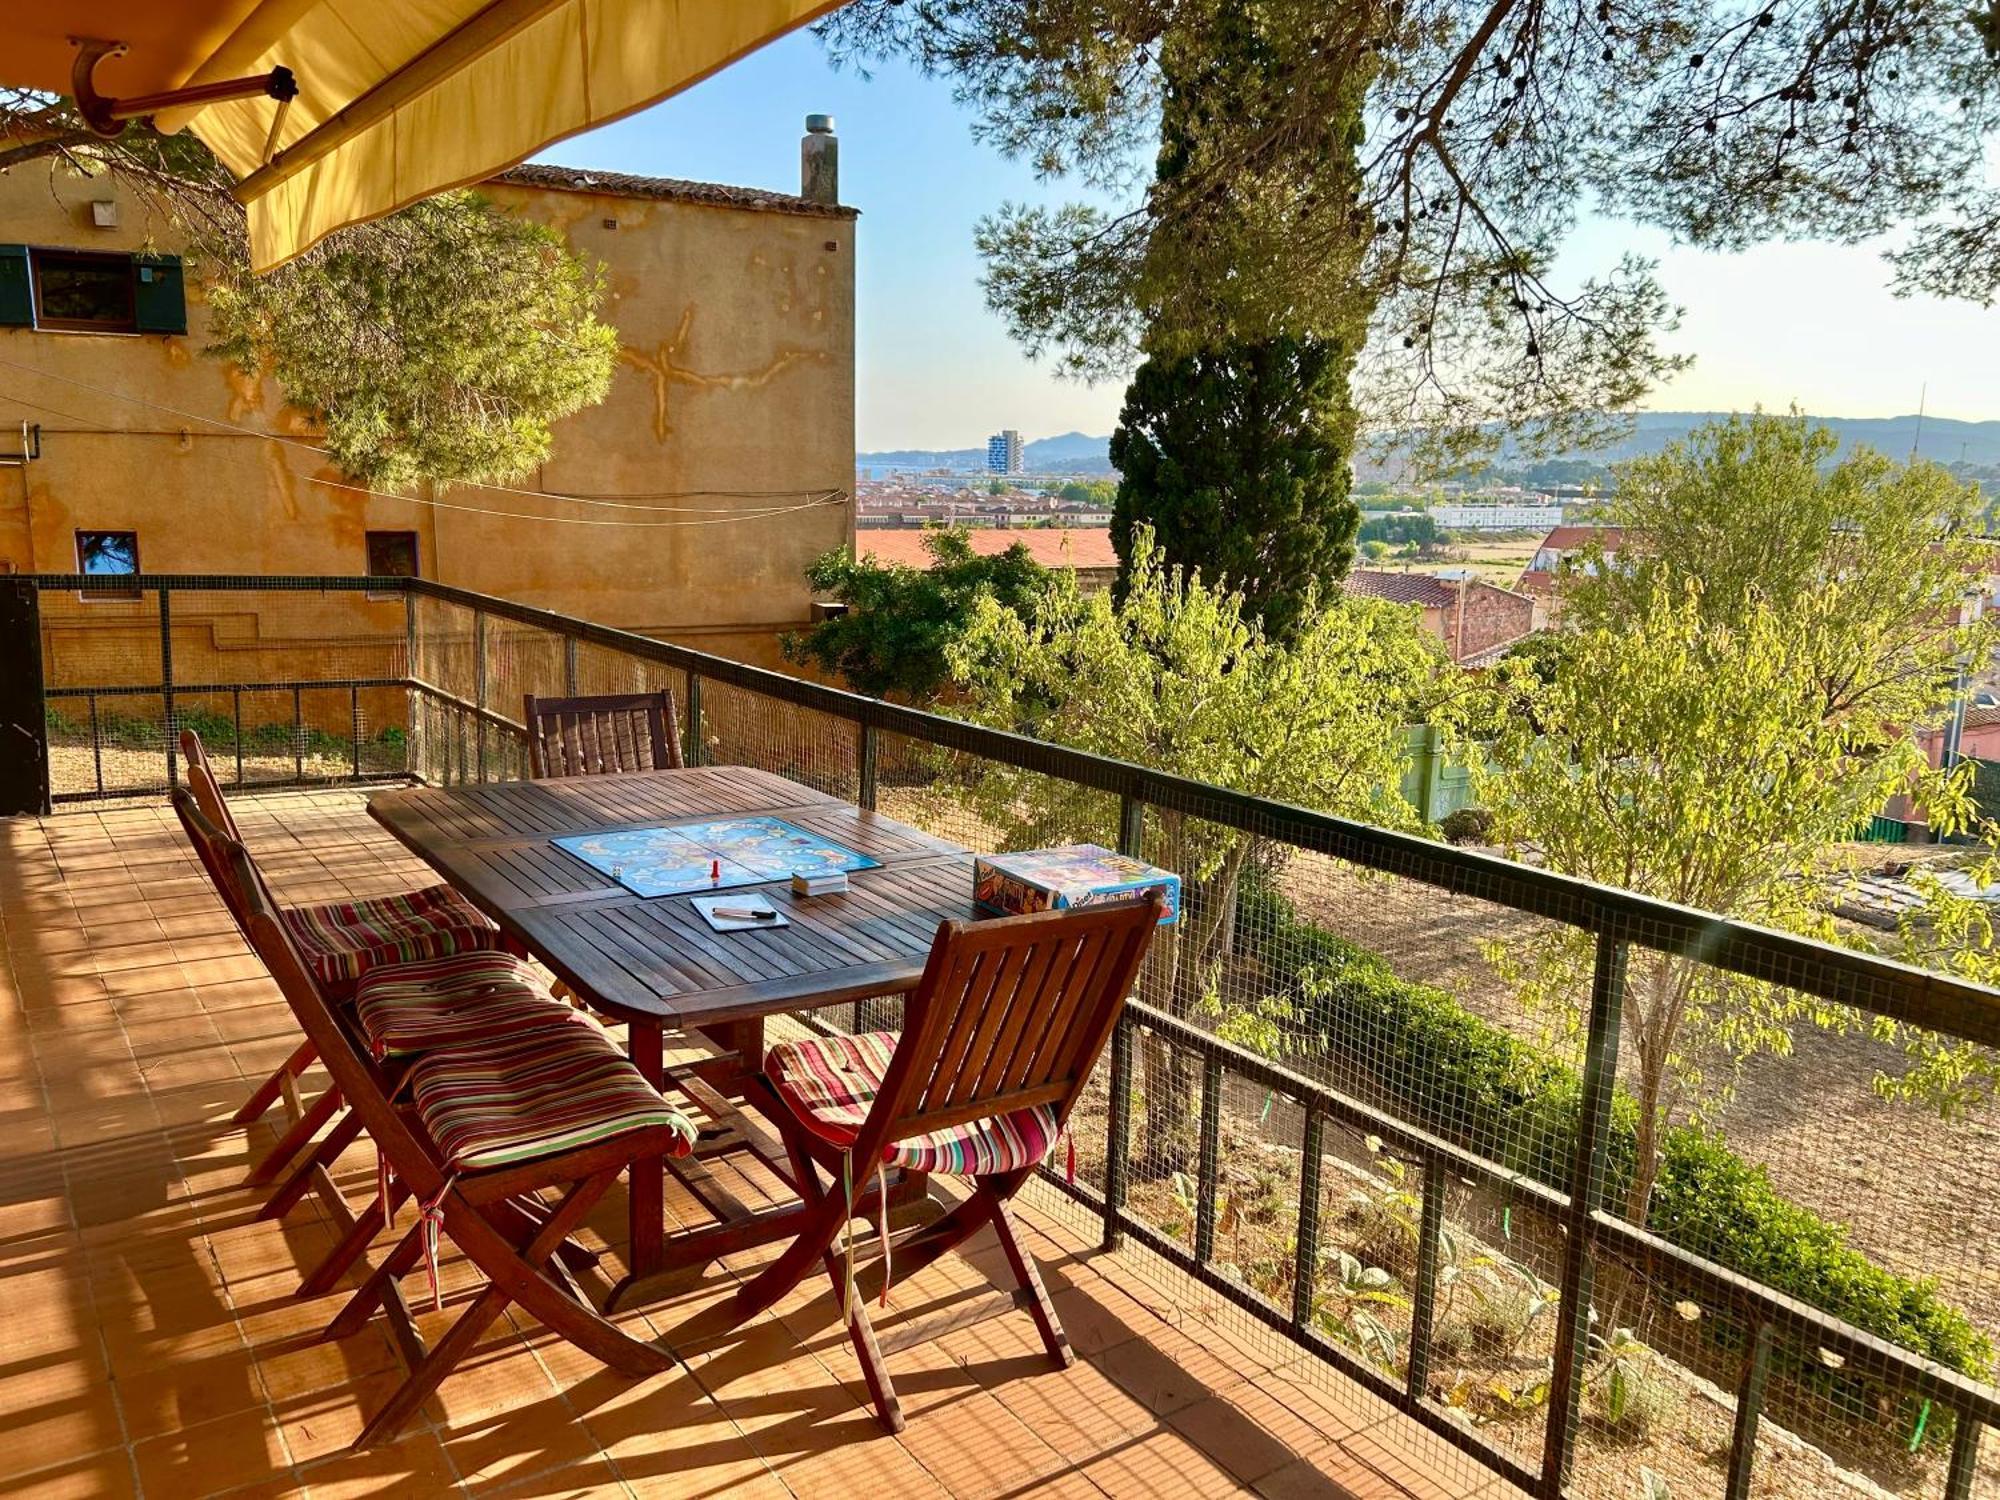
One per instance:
(108, 116)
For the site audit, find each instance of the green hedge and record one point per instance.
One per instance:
(1445, 1069)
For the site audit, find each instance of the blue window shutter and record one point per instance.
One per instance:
(159, 302)
(17, 293)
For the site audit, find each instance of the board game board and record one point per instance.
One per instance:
(709, 856)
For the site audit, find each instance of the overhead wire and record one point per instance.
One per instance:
(820, 500)
(820, 497)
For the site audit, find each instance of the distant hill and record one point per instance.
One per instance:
(1940, 438)
(1071, 453)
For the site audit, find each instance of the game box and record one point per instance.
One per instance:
(1074, 875)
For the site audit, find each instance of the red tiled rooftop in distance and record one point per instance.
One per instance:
(1401, 588)
(1566, 538)
(1081, 547)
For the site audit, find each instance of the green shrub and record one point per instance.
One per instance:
(217, 731)
(1466, 825)
(1444, 1069)
(1713, 1202)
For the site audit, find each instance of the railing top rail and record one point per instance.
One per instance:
(1936, 1002)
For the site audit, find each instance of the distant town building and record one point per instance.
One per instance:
(1003, 453)
(1496, 517)
(1563, 549)
(1474, 619)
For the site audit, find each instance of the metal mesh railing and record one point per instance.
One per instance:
(1328, 1109)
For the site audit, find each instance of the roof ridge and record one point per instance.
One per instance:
(551, 175)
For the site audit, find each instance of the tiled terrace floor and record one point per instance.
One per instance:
(150, 1341)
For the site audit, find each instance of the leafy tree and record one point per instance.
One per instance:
(1867, 557)
(1490, 123)
(901, 621)
(437, 344)
(1725, 705)
(1374, 549)
(1237, 462)
(1089, 492)
(1401, 529)
(1176, 674)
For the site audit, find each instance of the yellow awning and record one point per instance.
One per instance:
(398, 99)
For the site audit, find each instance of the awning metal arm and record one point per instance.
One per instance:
(108, 116)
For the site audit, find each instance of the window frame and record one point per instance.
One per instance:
(137, 589)
(368, 539)
(40, 255)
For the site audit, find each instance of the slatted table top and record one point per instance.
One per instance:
(656, 958)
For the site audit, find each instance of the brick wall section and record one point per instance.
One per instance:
(1490, 616)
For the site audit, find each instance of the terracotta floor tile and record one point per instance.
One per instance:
(1246, 1432)
(212, 1458)
(1159, 1465)
(414, 1469)
(1080, 1412)
(55, 1414)
(145, 1305)
(977, 1449)
(187, 1391)
(102, 1476)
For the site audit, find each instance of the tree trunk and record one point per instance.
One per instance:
(1175, 979)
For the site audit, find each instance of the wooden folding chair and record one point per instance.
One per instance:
(595, 736)
(345, 940)
(399, 1012)
(484, 1126)
(999, 1037)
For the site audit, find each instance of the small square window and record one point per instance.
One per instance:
(391, 554)
(108, 554)
(84, 293)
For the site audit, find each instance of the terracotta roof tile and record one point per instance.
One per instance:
(1567, 537)
(1082, 547)
(1402, 588)
(628, 185)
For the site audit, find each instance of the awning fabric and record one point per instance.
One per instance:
(398, 99)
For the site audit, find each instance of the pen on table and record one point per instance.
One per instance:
(744, 913)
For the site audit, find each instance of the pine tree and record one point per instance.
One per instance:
(1236, 455)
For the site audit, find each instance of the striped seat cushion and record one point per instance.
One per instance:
(830, 1083)
(342, 940)
(410, 1008)
(522, 1098)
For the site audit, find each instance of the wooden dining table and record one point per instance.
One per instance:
(655, 963)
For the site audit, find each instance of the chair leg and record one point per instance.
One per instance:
(267, 1092)
(1039, 1307)
(325, 1154)
(325, 1276)
(517, 1277)
(860, 1331)
(398, 1263)
(932, 1243)
(293, 1140)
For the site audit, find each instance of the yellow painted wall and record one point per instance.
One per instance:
(736, 377)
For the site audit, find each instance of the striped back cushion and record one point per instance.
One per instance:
(342, 940)
(527, 1097)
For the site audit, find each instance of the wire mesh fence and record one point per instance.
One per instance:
(1400, 1112)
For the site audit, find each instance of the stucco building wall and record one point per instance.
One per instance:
(734, 392)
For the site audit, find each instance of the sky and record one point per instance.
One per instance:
(1783, 324)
